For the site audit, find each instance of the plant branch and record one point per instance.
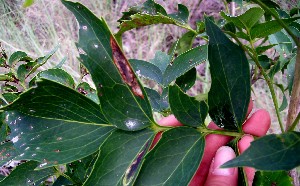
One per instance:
(294, 106)
(221, 132)
(277, 18)
(294, 124)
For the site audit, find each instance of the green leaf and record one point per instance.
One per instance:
(16, 57)
(28, 3)
(278, 153)
(264, 61)
(246, 20)
(265, 29)
(146, 70)
(80, 170)
(182, 15)
(279, 65)
(262, 49)
(155, 99)
(290, 72)
(25, 174)
(7, 152)
(282, 42)
(229, 95)
(120, 158)
(62, 181)
(161, 60)
(174, 159)
(184, 42)
(66, 127)
(183, 63)
(187, 80)
(278, 178)
(151, 13)
(122, 98)
(187, 109)
(28, 68)
(284, 103)
(58, 75)
(85, 89)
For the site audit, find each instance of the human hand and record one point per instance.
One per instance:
(216, 154)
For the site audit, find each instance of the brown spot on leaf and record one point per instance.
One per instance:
(125, 69)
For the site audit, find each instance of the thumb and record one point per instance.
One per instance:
(222, 176)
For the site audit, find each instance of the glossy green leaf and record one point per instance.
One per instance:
(58, 75)
(60, 181)
(183, 63)
(122, 98)
(187, 109)
(275, 155)
(246, 20)
(85, 89)
(16, 57)
(174, 159)
(278, 178)
(120, 158)
(28, 3)
(162, 60)
(66, 127)
(7, 152)
(155, 99)
(265, 29)
(284, 103)
(151, 13)
(147, 70)
(25, 174)
(187, 80)
(229, 95)
(280, 64)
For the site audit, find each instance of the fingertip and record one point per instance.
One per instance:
(243, 144)
(169, 121)
(258, 124)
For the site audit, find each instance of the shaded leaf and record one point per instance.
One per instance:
(278, 178)
(25, 174)
(264, 61)
(229, 95)
(151, 13)
(147, 70)
(183, 63)
(261, 49)
(276, 154)
(58, 75)
(290, 72)
(16, 57)
(174, 159)
(161, 60)
(284, 103)
(120, 158)
(187, 109)
(7, 152)
(51, 132)
(265, 29)
(187, 80)
(279, 65)
(121, 95)
(85, 89)
(246, 20)
(282, 42)
(62, 181)
(184, 42)
(154, 98)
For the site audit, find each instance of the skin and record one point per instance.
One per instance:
(216, 153)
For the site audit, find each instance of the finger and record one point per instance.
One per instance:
(243, 144)
(169, 121)
(222, 176)
(250, 107)
(258, 124)
(212, 143)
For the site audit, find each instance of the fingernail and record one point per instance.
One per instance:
(223, 155)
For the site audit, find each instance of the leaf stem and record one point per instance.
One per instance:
(221, 132)
(277, 18)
